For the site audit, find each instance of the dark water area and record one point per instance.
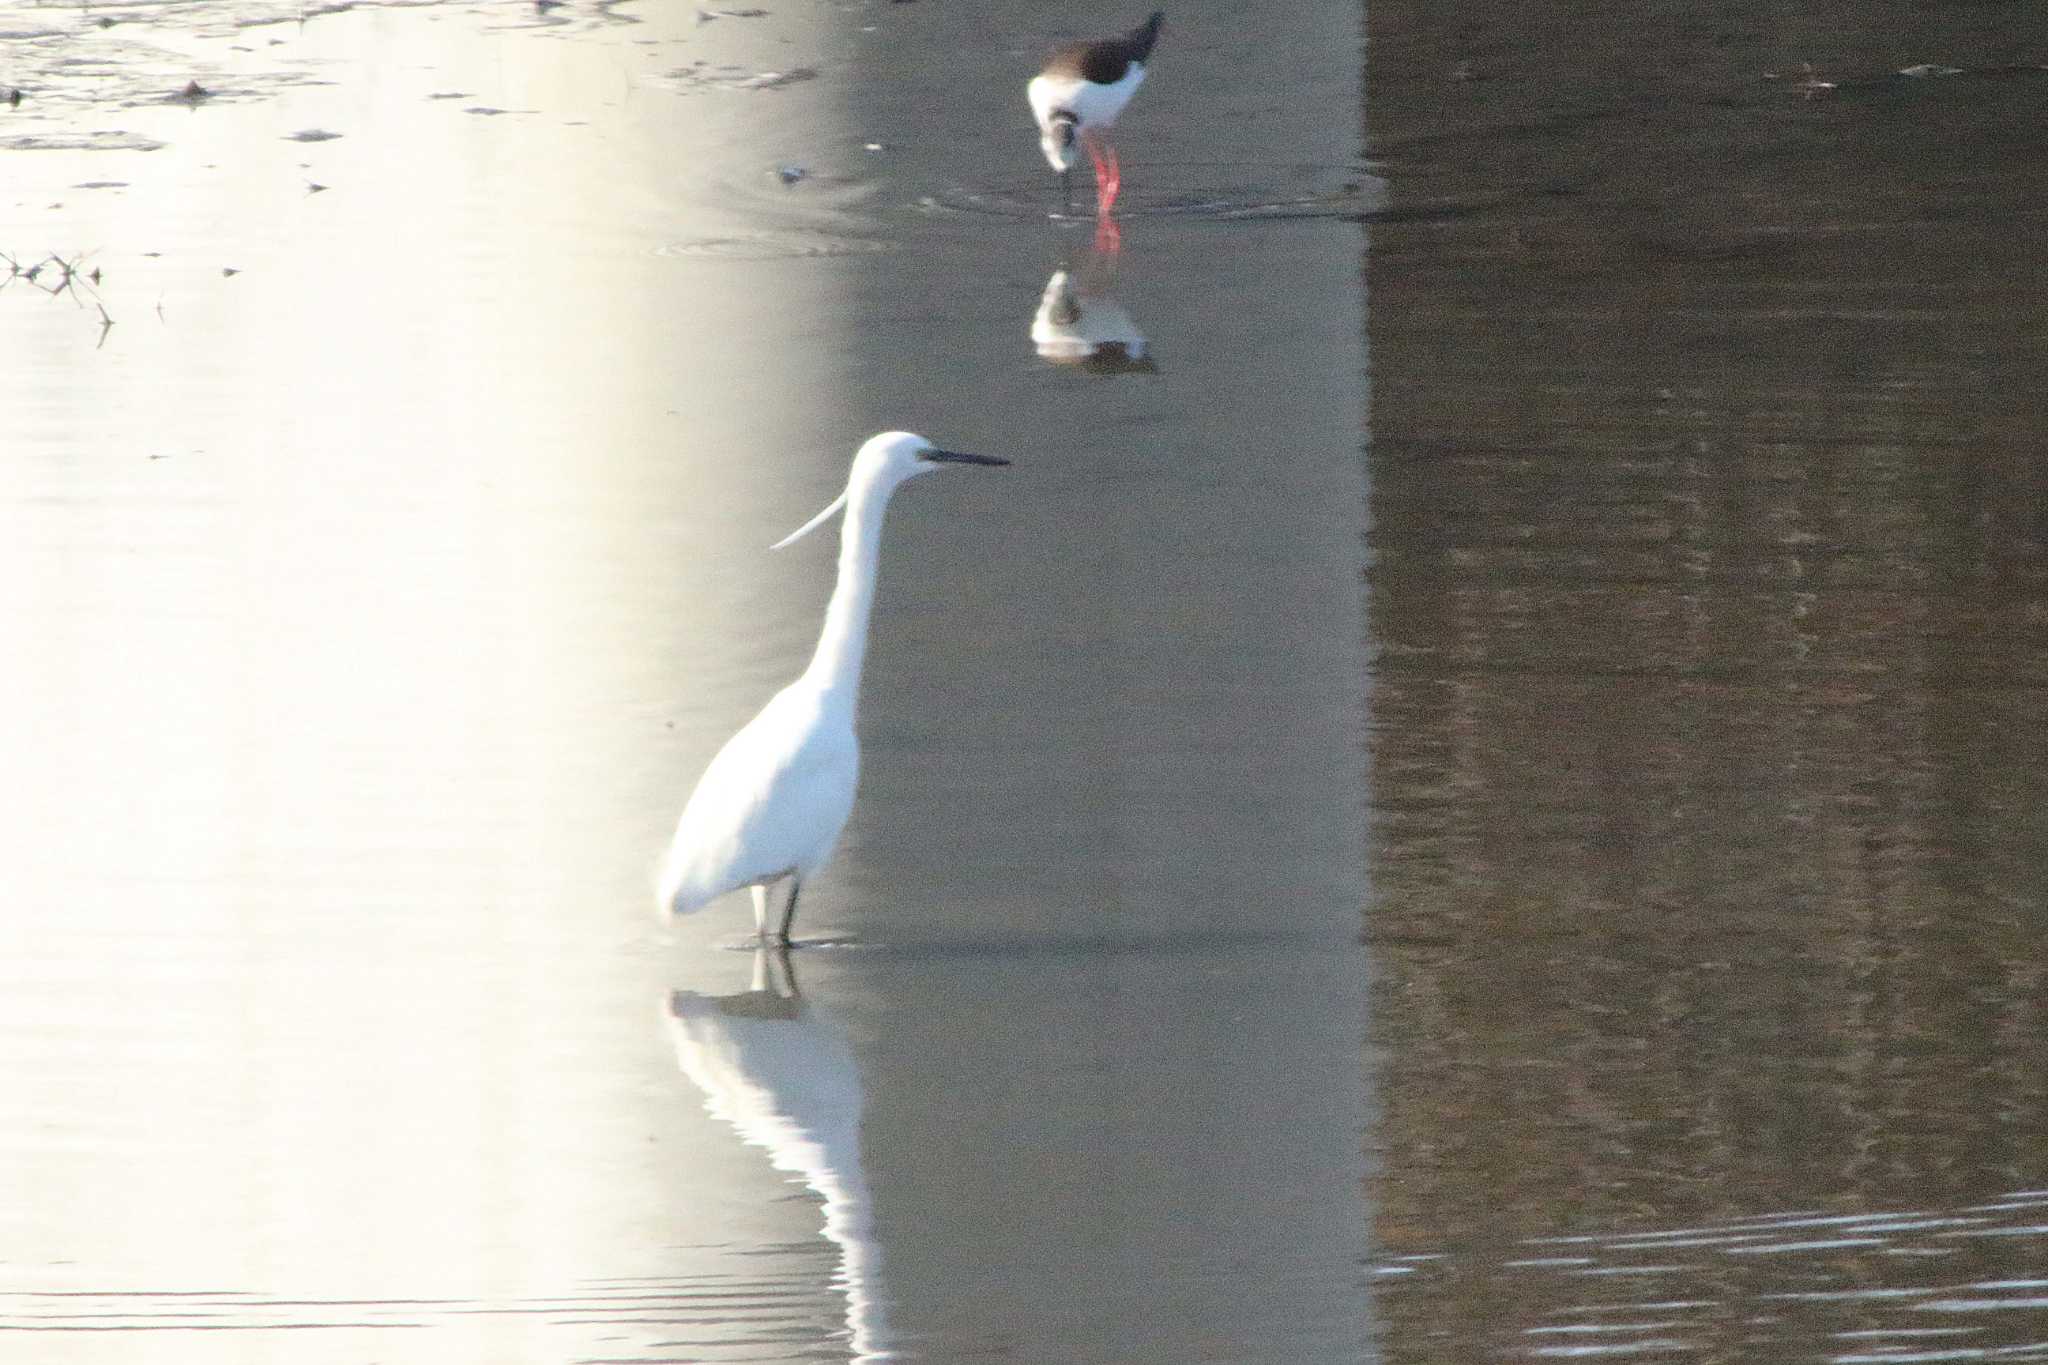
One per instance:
(1709, 599)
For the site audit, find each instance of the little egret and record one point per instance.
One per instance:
(1077, 96)
(774, 799)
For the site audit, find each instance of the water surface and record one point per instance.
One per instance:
(387, 518)
(394, 560)
(1709, 595)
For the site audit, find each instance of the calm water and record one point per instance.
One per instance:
(388, 569)
(1628, 680)
(1710, 605)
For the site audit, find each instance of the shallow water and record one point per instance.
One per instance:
(1710, 604)
(394, 559)
(1634, 684)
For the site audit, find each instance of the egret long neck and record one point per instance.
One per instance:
(843, 643)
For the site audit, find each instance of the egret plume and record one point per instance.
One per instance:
(813, 524)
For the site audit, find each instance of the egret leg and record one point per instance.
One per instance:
(788, 912)
(1067, 192)
(760, 910)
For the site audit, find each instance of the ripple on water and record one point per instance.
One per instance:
(1853, 1289)
(751, 944)
(1182, 190)
(634, 1318)
(705, 75)
(784, 245)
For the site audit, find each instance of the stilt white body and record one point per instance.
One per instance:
(1093, 106)
(773, 801)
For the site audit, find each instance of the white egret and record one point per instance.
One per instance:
(771, 805)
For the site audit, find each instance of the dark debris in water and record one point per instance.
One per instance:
(60, 277)
(311, 135)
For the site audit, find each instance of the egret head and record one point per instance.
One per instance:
(1057, 139)
(882, 463)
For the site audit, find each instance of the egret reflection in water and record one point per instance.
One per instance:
(1078, 323)
(782, 1074)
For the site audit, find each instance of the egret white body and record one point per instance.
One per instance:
(1078, 95)
(773, 801)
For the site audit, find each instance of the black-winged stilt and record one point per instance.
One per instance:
(1078, 95)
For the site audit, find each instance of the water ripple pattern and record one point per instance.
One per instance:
(638, 1319)
(1964, 1284)
(67, 59)
(1220, 190)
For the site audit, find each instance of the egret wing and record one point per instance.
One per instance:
(772, 801)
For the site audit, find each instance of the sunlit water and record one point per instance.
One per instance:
(385, 528)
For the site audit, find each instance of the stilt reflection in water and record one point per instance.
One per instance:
(1079, 323)
(782, 1074)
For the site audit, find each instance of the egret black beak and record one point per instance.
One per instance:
(959, 457)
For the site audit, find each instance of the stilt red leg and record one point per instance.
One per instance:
(1109, 178)
(1094, 155)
